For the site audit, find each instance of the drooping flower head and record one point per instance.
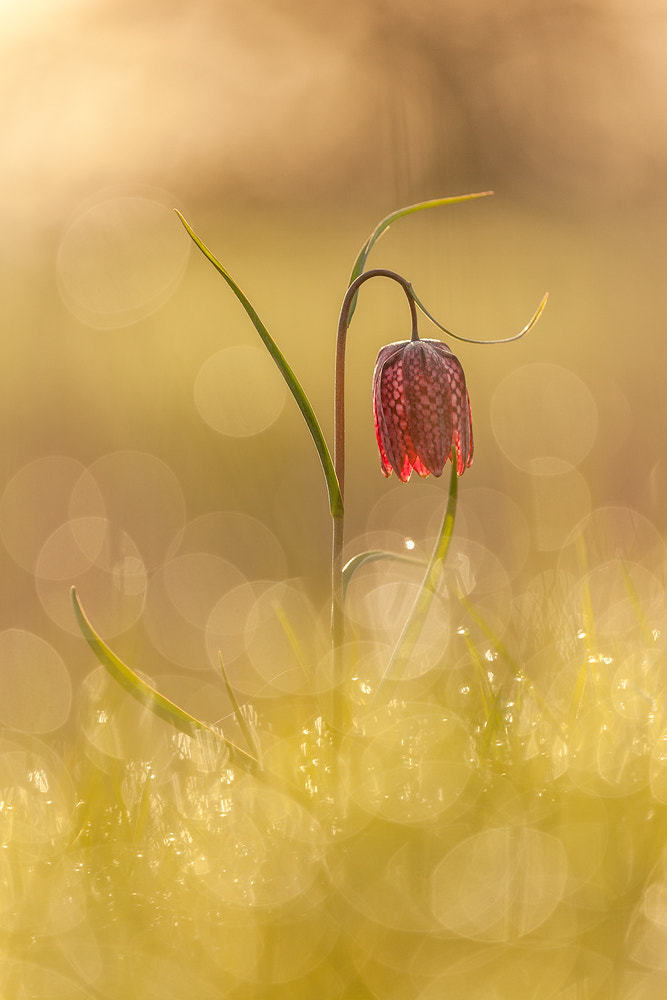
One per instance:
(421, 409)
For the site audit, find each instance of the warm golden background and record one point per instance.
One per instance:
(284, 131)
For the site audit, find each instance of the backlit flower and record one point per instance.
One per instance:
(421, 409)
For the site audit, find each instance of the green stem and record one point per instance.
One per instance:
(337, 596)
(413, 626)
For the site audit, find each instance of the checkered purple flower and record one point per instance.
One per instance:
(421, 409)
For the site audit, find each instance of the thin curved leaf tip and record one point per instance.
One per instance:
(147, 695)
(293, 384)
(472, 340)
(400, 213)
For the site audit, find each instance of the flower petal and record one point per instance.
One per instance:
(421, 409)
(462, 442)
(386, 443)
(391, 422)
(427, 390)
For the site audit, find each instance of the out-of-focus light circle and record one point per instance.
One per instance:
(606, 755)
(238, 391)
(104, 565)
(543, 416)
(181, 596)
(637, 688)
(226, 624)
(415, 513)
(560, 501)
(139, 494)
(381, 596)
(609, 533)
(237, 537)
(38, 799)
(117, 727)
(285, 641)
(260, 852)
(414, 766)
(120, 260)
(36, 501)
(494, 520)
(622, 595)
(195, 581)
(477, 576)
(501, 884)
(35, 688)
(72, 548)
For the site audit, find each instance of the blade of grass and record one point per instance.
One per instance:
(293, 384)
(587, 612)
(147, 695)
(494, 727)
(248, 734)
(502, 650)
(636, 602)
(484, 684)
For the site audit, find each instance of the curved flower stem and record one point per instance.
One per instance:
(337, 615)
(413, 626)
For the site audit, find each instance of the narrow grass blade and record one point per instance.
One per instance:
(494, 727)
(248, 734)
(636, 603)
(587, 612)
(502, 650)
(384, 225)
(293, 384)
(147, 695)
(492, 637)
(485, 686)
